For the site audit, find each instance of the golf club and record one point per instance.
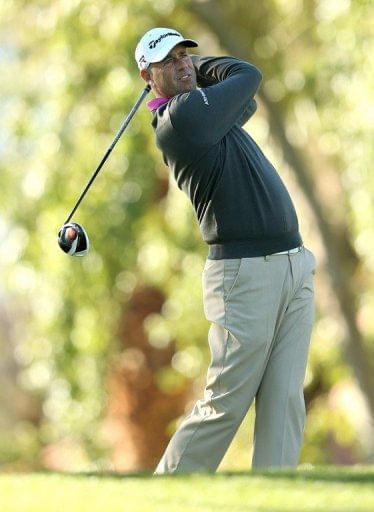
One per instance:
(72, 238)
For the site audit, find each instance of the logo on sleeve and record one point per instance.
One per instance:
(205, 98)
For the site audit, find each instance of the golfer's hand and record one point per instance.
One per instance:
(204, 81)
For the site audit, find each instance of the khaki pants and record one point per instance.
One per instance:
(262, 312)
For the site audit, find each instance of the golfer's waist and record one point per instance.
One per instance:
(288, 244)
(295, 250)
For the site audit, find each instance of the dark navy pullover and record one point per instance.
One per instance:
(241, 203)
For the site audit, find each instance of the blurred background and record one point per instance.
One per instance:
(99, 358)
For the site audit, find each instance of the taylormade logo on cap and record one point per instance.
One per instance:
(155, 45)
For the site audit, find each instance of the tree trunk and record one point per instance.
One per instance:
(140, 412)
(16, 405)
(342, 261)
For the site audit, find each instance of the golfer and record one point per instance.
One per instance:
(257, 280)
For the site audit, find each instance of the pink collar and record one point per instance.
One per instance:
(156, 103)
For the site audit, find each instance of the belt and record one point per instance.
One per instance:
(290, 251)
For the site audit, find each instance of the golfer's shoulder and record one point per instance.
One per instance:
(177, 122)
(188, 106)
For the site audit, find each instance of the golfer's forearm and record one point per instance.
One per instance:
(212, 70)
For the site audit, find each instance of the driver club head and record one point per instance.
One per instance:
(73, 239)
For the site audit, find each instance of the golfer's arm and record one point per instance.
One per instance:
(204, 116)
(212, 70)
(208, 79)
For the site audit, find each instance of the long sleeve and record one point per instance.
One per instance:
(207, 114)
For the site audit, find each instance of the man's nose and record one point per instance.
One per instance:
(181, 61)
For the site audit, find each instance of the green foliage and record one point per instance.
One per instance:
(68, 79)
(79, 80)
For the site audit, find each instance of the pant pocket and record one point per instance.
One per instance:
(231, 271)
(312, 259)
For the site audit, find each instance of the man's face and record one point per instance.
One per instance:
(173, 75)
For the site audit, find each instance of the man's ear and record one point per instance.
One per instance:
(146, 75)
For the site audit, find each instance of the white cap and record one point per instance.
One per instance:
(155, 45)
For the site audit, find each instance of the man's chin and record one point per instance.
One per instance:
(186, 87)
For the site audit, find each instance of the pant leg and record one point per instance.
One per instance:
(241, 299)
(280, 408)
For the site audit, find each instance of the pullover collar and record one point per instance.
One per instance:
(156, 103)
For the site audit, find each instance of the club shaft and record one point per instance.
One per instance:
(109, 150)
